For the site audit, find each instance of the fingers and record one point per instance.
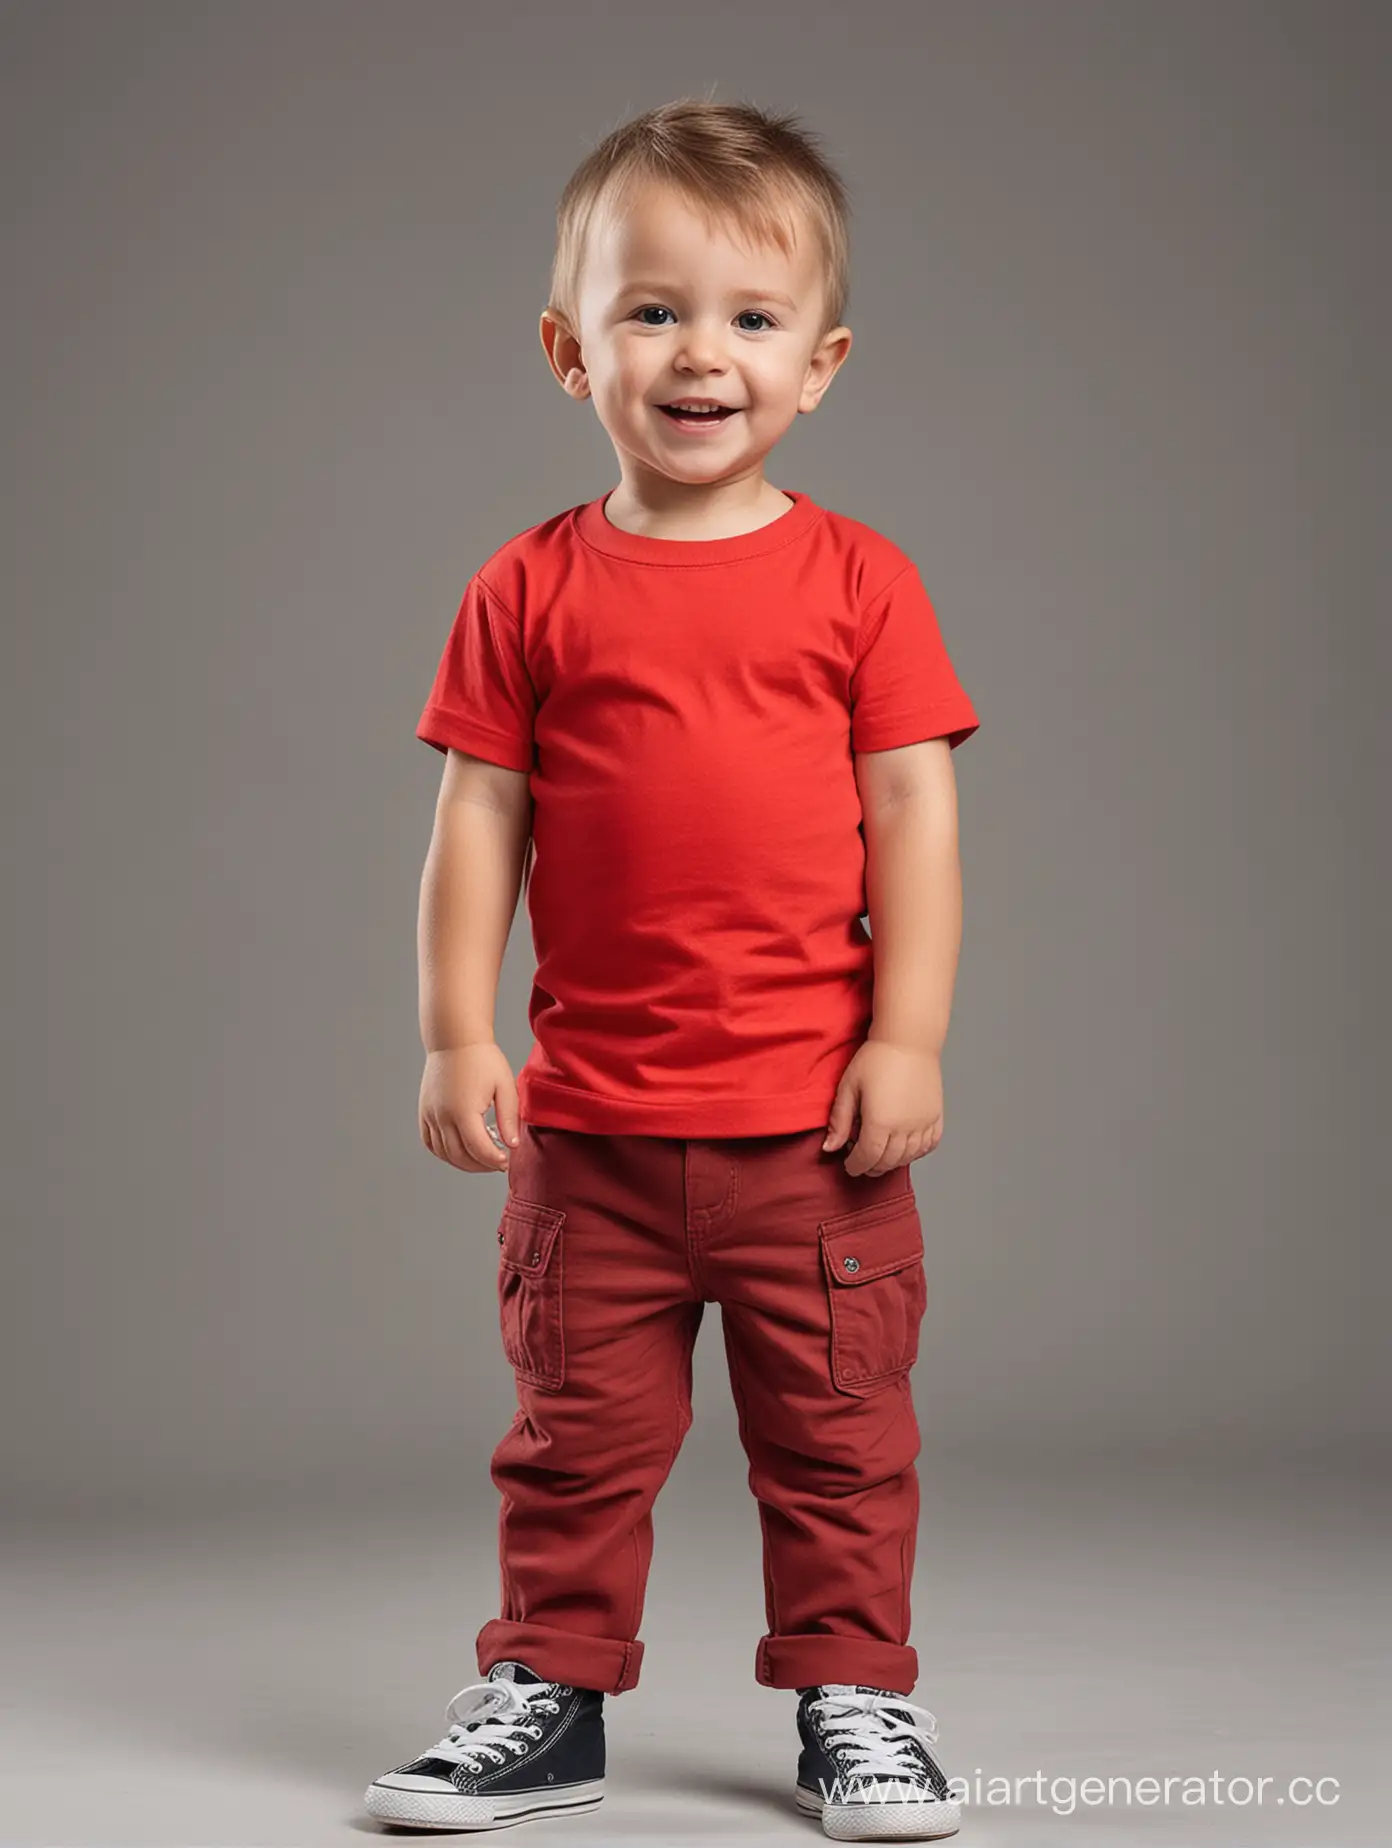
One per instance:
(878, 1152)
(509, 1118)
(480, 1150)
(871, 1153)
(467, 1143)
(463, 1138)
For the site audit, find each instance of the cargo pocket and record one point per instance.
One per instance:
(873, 1258)
(529, 1291)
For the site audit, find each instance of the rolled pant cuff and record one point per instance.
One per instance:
(607, 1663)
(802, 1661)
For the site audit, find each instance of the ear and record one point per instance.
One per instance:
(823, 366)
(563, 353)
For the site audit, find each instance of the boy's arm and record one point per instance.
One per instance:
(473, 872)
(913, 886)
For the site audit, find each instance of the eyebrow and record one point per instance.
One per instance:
(661, 288)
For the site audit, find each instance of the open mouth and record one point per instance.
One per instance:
(715, 415)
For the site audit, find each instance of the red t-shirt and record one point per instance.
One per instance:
(688, 711)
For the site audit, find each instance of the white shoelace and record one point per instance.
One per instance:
(485, 1725)
(877, 1742)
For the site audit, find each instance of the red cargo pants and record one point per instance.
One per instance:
(610, 1247)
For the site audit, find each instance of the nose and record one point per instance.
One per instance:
(700, 349)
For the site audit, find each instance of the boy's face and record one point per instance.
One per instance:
(672, 310)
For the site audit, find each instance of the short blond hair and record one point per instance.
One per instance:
(756, 167)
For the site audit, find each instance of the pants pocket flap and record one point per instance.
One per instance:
(527, 1234)
(872, 1241)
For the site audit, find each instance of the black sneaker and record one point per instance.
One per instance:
(517, 1747)
(865, 1767)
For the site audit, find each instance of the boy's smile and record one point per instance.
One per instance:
(678, 313)
(698, 413)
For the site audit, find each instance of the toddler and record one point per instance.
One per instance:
(705, 724)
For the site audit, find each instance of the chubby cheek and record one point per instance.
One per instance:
(612, 402)
(620, 398)
(771, 395)
(630, 376)
(780, 393)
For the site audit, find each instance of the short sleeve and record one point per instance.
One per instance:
(903, 685)
(483, 700)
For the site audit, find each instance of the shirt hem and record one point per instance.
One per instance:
(548, 1103)
(954, 719)
(445, 731)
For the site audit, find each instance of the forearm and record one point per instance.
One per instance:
(468, 898)
(913, 884)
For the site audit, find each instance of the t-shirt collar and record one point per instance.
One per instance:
(595, 529)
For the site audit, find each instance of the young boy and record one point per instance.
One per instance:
(701, 720)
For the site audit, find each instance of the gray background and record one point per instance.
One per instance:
(274, 389)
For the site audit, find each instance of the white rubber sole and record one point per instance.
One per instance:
(430, 1809)
(908, 1821)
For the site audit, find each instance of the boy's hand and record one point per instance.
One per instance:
(456, 1090)
(897, 1092)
